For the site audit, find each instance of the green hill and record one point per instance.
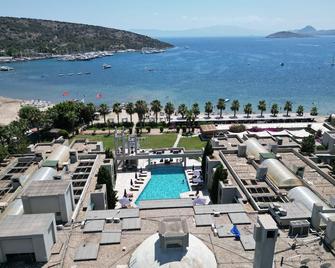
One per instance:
(32, 36)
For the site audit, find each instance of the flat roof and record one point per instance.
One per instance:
(25, 225)
(46, 188)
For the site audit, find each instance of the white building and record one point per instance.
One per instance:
(27, 234)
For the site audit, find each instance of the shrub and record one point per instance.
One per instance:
(130, 130)
(220, 174)
(64, 133)
(161, 129)
(149, 129)
(308, 145)
(237, 128)
(177, 129)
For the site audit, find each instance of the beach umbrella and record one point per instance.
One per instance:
(125, 193)
(196, 172)
(131, 182)
(236, 232)
(199, 201)
(124, 201)
(198, 180)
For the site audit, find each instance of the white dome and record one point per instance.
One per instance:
(150, 255)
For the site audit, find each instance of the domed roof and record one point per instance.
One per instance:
(149, 254)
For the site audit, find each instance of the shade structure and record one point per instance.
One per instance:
(124, 201)
(254, 148)
(280, 175)
(199, 201)
(306, 197)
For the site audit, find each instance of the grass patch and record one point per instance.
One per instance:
(157, 141)
(107, 140)
(191, 143)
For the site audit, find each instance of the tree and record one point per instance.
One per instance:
(248, 109)
(87, 113)
(314, 111)
(72, 118)
(117, 109)
(288, 107)
(300, 110)
(235, 106)
(104, 177)
(33, 116)
(169, 110)
(103, 110)
(156, 107)
(220, 174)
(141, 108)
(182, 109)
(308, 145)
(3, 152)
(130, 109)
(189, 119)
(208, 108)
(274, 109)
(221, 106)
(262, 106)
(207, 152)
(195, 109)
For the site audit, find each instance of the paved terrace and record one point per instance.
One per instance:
(228, 252)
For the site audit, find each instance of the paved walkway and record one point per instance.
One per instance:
(178, 138)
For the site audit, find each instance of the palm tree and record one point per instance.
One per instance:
(288, 107)
(103, 110)
(274, 109)
(300, 110)
(314, 111)
(156, 107)
(262, 106)
(235, 106)
(195, 109)
(221, 106)
(117, 109)
(248, 109)
(169, 110)
(182, 110)
(208, 108)
(141, 108)
(130, 109)
(189, 119)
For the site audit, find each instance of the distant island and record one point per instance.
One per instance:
(34, 37)
(308, 31)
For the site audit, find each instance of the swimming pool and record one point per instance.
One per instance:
(165, 183)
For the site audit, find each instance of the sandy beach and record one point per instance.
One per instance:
(9, 109)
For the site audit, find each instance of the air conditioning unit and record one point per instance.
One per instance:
(299, 228)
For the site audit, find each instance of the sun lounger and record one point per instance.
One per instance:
(139, 182)
(133, 189)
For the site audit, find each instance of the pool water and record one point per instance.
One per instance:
(165, 183)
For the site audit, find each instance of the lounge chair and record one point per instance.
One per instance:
(133, 189)
(139, 182)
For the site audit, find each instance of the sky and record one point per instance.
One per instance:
(264, 15)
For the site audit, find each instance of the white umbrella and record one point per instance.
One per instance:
(198, 180)
(124, 201)
(199, 201)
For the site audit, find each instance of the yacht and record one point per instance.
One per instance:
(106, 66)
(6, 68)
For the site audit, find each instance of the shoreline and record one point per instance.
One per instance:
(9, 108)
(80, 56)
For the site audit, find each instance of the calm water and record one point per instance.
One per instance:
(244, 68)
(165, 183)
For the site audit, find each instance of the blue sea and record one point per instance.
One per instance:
(195, 70)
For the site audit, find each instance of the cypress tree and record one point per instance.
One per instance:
(104, 177)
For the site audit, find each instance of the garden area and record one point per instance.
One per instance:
(191, 143)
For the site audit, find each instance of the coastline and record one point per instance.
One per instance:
(9, 108)
(91, 55)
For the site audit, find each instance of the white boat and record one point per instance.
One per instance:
(106, 66)
(6, 68)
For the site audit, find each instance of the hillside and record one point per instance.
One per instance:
(287, 34)
(32, 36)
(307, 31)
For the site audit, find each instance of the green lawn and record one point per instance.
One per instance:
(191, 143)
(157, 141)
(107, 140)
